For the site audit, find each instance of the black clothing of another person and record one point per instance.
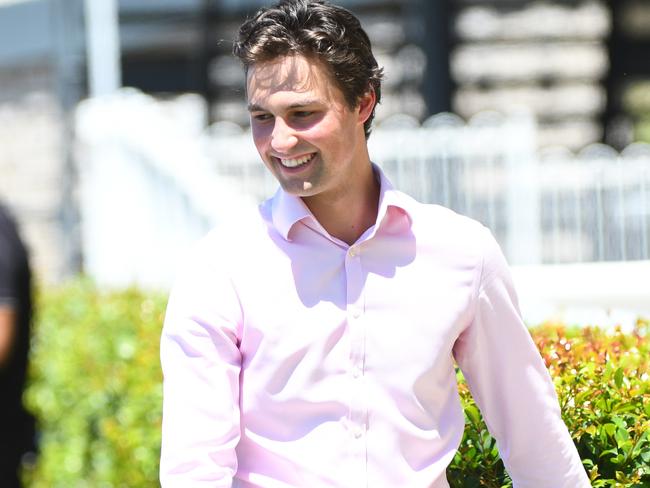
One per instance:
(16, 425)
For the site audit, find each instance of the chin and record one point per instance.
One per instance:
(297, 188)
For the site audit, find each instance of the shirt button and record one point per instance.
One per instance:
(357, 432)
(356, 372)
(353, 251)
(356, 313)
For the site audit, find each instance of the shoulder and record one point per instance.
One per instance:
(456, 239)
(445, 225)
(466, 235)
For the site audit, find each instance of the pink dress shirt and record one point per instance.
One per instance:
(294, 360)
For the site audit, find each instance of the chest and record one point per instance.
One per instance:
(383, 303)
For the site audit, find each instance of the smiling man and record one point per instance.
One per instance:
(315, 344)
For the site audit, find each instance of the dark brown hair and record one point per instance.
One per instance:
(314, 28)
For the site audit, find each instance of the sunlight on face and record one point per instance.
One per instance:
(305, 132)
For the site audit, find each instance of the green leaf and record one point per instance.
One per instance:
(473, 414)
(625, 447)
(487, 443)
(622, 435)
(619, 422)
(607, 452)
(609, 429)
(618, 378)
(618, 459)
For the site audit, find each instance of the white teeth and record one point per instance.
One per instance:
(292, 163)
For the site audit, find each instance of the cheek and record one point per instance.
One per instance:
(328, 132)
(261, 135)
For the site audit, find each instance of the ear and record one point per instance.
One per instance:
(366, 105)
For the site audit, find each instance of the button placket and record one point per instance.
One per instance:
(356, 328)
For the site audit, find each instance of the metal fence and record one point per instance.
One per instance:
(596, 205)
(544, 207)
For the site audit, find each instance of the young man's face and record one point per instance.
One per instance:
(306, 134)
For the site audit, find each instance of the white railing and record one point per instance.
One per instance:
(150, 185)
(546, 207)
(596, 205)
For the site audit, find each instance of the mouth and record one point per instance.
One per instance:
(293, 163)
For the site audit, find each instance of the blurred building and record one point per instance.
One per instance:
(172, 47)
(573, 63)
(550, 57)
(580, 66)
(628, 79)
(41, 78)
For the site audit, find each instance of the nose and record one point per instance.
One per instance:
(283, 137)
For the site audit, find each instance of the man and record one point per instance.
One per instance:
(314, 344)
(16, 425)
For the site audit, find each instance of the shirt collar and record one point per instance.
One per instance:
(286, 210)
(289, 209)
(391, 198)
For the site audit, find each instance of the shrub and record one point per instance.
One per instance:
(96, 390)
(603, 386)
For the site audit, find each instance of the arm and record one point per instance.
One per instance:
(10, 262)
(7, 331)
(201, 362)
(512, 387)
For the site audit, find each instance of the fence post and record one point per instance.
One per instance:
(524, 235)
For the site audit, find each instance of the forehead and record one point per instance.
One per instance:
(291, 76)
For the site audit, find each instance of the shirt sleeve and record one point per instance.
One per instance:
(201, 362)
(512, 387)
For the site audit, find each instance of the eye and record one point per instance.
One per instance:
(301, 114)
(262, 117)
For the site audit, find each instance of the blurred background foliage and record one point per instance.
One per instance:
(96, 387)
(96, 390)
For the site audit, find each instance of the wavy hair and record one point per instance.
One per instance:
(314, 28)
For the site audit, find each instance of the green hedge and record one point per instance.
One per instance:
(96, 390)
(603, 385)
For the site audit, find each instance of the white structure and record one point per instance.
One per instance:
(147, 191)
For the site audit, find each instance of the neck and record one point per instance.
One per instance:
(347, 214)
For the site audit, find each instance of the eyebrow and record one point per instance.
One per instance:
(253, 107)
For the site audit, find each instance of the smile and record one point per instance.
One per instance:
(294, 163)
